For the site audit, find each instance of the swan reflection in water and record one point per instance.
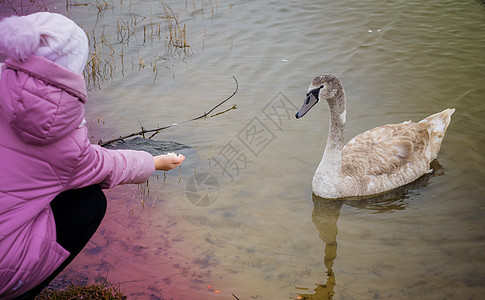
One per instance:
(326, 213)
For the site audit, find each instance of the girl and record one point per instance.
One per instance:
(51, 177)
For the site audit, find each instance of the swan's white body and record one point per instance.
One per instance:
(377, 160)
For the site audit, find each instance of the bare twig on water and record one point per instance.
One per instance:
(224, 111)
(157, 130)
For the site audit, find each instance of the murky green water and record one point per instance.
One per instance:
(260, 234)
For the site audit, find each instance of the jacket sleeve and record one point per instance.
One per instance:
(97, 165)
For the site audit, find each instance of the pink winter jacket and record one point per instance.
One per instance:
(44, 151)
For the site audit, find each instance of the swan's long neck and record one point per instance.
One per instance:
(336, 131)
(332, 157)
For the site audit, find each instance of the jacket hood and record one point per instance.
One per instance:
(42, 101)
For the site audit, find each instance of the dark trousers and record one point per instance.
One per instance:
(78, 214)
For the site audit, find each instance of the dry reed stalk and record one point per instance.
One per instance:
(143, 192)
(102, 6)
(24, 7)
(122, 62)
(141, 61)
(177, 37)
(101, 63)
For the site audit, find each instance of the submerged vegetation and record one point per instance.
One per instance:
(22, 7)
(107, 50)
(100, 290)
(159, 32)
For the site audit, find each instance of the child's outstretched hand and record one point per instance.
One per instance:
(167, 162)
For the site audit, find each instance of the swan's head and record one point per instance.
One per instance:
(326, 87)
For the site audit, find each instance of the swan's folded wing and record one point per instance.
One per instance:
(384, 150)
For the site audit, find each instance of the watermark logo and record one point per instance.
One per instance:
(202, 189)
(256, 136)
(238, 153)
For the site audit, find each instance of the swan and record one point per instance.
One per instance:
(377, 160)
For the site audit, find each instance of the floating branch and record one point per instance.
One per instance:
(157, 130)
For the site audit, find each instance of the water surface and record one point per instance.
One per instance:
(264, 236)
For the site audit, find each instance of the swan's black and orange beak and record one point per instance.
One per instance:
(312, 98)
